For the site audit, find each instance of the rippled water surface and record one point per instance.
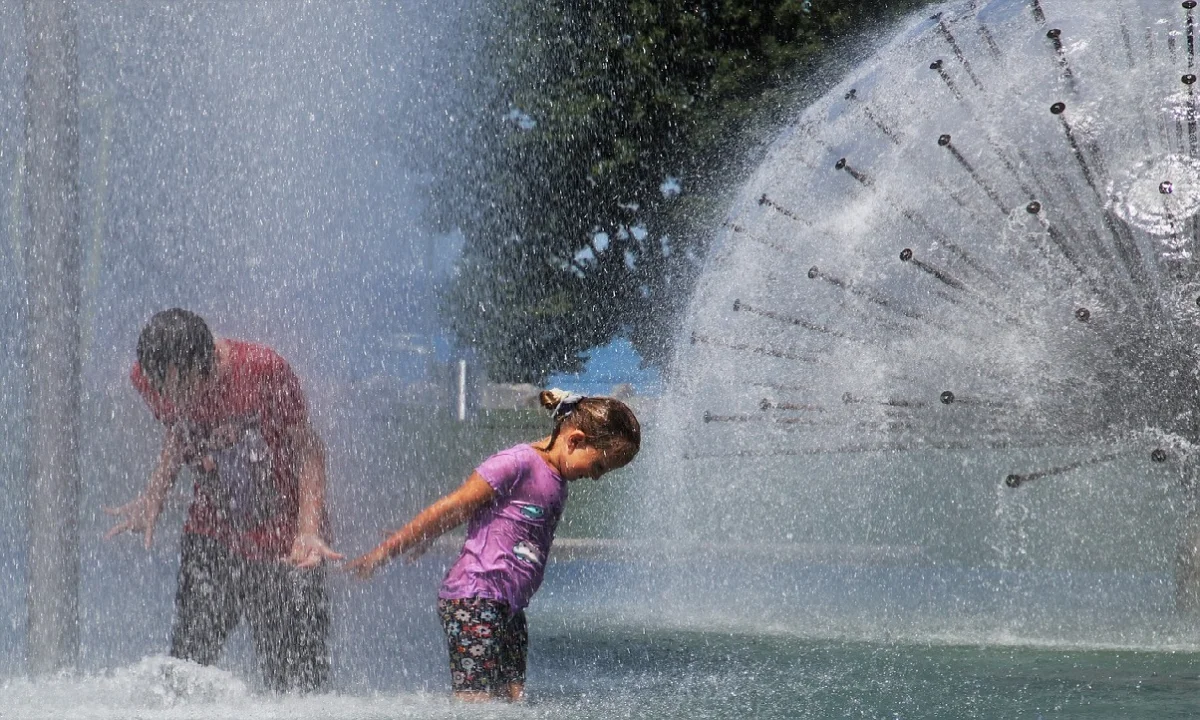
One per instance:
(620, 671)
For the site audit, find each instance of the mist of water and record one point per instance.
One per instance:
(262, 164)
(937, 382)
(947, 348)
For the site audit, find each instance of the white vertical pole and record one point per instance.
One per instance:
(52, 262)
(462, 390)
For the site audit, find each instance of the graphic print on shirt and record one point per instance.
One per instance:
(533, 512)
(526, 551)
(234, 463)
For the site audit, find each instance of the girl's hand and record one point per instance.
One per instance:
(416, 537)
(365, 566)
(416, 551)
(309, 551)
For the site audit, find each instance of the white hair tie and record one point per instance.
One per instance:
(566, 405)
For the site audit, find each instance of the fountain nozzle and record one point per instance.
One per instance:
(1014, 480)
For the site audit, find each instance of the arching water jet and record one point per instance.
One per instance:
(1058, 337)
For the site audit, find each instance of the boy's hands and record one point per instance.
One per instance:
(309, 551)
(139, 515)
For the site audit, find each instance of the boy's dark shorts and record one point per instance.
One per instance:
(488, 644)
(286, 608)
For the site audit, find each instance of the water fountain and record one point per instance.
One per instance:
(259, 163)
(947, 347)
(934, 391)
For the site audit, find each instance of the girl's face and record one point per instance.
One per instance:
(580, 460)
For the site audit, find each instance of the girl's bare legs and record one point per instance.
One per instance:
(516, 693)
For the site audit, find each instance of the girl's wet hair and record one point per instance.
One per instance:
(175, 337)
(607, 423)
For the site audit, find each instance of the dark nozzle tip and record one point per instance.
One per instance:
(1188, 79)
(813, 272)
(765, 404)
(1083, 314)
(847, 398)
(944, 140)
(906, 255)
(1033, 208)
(1166, 187)
(1189, 4)
(693, 338)
(1158, 454)
(737, 305)
(1054, 33)
(763, 200)
(1014, 481)
(1198, 302)
(1058, 108)
(935, 65)
(852, 94)
(707, 416)
(840, 164)
(947, 397)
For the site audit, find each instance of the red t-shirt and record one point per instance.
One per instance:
(246, 494)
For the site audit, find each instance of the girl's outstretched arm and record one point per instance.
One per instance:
(444, 514)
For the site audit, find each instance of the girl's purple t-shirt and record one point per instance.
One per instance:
(508, 541)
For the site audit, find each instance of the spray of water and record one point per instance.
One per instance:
(954, 318)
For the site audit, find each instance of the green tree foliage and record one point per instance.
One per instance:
(562, 184)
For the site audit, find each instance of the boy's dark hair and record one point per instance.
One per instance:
(607, 423)
(175, 337)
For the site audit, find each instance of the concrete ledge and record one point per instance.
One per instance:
(622, 550)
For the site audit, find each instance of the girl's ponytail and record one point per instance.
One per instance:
(560, 403)
(607, 423)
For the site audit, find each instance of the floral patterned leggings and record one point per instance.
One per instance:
(488, 644)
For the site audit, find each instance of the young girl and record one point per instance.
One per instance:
(513, 501)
